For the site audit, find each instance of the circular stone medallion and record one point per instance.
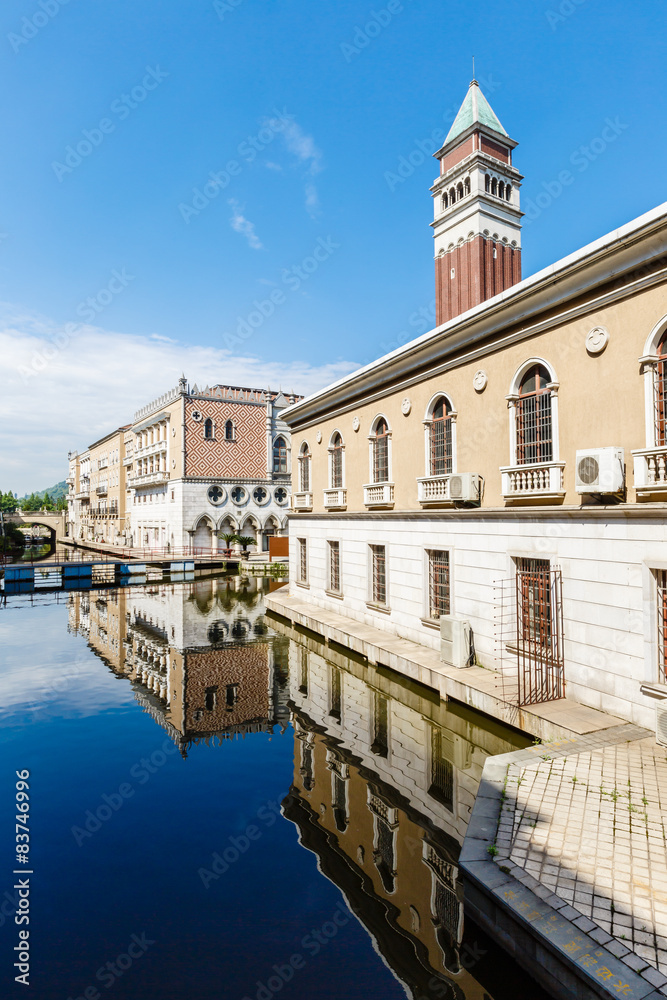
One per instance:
(480, 380)
(356, 424)
(406, 406)
(597, 339)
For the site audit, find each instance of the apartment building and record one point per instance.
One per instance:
(501, 481)
(193, 465)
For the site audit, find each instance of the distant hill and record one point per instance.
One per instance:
(55, 492)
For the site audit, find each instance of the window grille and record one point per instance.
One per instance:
(304, 471)
(337, 463)
(380, 744)
(334, 566)
(379, 571)
(438, 584)
(441, 439)
(662, 625)
(660, 395)
(534, 434)
(539, 624)
(279, 455)
(381, 453)
(442, 772)
(303, 561)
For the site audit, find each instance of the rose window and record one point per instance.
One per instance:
(280, 495)
(216, 494)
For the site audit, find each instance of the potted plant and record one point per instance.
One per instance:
(244, 541)
(228, 539)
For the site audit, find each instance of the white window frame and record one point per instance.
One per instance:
(372, 602)
(371, 450)
(331, 450)
(428, 421)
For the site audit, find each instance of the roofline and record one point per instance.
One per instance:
(639, 241)
(107, 436)
(493, 133)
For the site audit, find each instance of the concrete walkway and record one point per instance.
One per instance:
(487, 691)
(589, 826)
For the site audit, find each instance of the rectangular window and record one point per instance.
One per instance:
(381, 458)
(336, 694)
(303, 670)
(534, 434)
(662, 626)
(379, 574)
(303, 561)
(380, 744)
(334, 566)
(442, 772)
(438, 584)
(534, 601)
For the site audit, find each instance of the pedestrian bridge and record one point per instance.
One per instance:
(53, 520)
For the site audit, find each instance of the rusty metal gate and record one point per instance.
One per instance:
(539, 632)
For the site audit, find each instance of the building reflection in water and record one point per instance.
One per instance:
(385, 774)
(385, 777)
(201, 658)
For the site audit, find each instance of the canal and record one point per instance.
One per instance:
(222, 810)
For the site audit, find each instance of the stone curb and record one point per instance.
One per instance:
(576, 941)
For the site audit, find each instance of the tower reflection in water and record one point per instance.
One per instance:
(385, 773)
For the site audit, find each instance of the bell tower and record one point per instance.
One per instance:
(477, 220)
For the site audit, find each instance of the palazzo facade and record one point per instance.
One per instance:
(194, 464)
(497, 487)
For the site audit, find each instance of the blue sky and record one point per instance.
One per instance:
(316, 112)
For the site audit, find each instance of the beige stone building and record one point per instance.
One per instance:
(97, 497)
(501, 481)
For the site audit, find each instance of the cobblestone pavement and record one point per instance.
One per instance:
(589, 824)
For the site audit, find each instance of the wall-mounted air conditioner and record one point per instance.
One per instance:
(661, 724)
(455, 641)
(600, 470)
(465, 486)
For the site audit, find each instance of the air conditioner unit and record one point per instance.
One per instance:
(661, 724)
(600, 470)
(465, 486)
(455, 641)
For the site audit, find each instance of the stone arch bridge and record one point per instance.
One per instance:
(54, 520)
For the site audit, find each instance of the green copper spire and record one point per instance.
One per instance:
(475, 109)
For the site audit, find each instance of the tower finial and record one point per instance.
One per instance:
(473, 71)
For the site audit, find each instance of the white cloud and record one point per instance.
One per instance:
(270, 165)
(240, 224)
(57, 399)
(307, 153)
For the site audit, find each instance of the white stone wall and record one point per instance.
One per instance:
(609, 593)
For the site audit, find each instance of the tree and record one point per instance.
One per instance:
(8, 502)
(33, 502)
(61, 503)
(13, 538)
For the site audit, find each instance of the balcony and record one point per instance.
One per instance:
(82, 494)
(70, 480)
(650, 470)
(103, 463)
(379, 495)
(335, 499)
(538, 480)
(434, 490)
(128, 460)
(150, 449)
(302, 501)
(102, 488)
(150, 479)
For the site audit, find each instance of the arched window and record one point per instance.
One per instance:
(208, 428)
(304, 468)
(229, 431)
(661, 394)
(459, 191)
(445, 200)
(467, 185)
(381, 452)
(279, 455)
(452, 196)
(441, 439)
(336, 451)
(508, 192)
(494, 186)
(501, 190)
(487, 183)
(534, 436)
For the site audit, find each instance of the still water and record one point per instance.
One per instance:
(221, 810)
